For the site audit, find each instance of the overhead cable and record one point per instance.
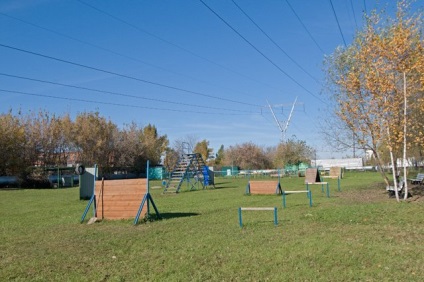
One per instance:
(261, 53)
(125, 76)
(120, 94)
(111, 51)
(175, 45)
(113, 104)
(304, 26)
(275, 43)
(338, 24)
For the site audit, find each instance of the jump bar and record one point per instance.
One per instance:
(257, 209)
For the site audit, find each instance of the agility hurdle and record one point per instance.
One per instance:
(322, 187)
(308, 195)
(121, 199)
(335, 173)
(257, 209)
(263, 187)
(313, 176)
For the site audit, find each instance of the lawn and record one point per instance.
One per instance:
(357, 234)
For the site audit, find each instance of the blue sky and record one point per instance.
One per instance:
(178, 65)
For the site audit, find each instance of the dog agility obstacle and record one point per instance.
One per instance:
(121, 199)
(322, 187)
(263, 187)
(308, 195)
(257, 209)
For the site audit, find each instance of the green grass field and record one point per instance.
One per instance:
(357, 234)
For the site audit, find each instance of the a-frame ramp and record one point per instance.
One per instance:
(189, 169)
(312, 175)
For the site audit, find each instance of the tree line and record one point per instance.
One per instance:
(42, 139)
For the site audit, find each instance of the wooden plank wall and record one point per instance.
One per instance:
(335, 172)
(263, 187)
(120, 199)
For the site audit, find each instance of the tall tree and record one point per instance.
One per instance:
(129, 146)
(292, 152)
(246, 156)
(12, 142)
(171, 159)
(219, 155)
(154, 144)
(94, 136)
(369, 81)
(203, 149)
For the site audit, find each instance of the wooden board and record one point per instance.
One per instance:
(263, 187)
(336, 172)
(120, 199)
(312, 175)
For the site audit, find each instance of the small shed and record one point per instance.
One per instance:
(87, 182)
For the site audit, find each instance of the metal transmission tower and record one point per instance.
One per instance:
(282, 125)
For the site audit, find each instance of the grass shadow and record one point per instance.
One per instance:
(169, 215)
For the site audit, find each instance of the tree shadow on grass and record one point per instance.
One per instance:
(169, 215)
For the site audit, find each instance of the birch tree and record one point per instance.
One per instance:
(377, 85)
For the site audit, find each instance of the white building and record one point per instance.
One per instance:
(351, 163)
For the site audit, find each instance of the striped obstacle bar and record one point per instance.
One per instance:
(308, 195)
(257, 209)
(322, 186)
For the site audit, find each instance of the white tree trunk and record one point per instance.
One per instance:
(393, 167)
(404, 136)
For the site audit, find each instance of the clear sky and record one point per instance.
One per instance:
(201, 68)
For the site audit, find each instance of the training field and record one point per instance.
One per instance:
(356, 234)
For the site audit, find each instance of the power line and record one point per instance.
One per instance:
(338, 24)
(354, 16)
(119, 94)
(108, 50)
(261, 53)
(113, 104)
(304, 26)
(275, 43)
(174, 44)
(126, 76)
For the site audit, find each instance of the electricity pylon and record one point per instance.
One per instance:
(281, 126)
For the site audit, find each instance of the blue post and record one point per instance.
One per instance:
(93, 198)
(278, 175)
(284, 199)
(307, 189)
(328, 190)
(322, 187)
(94, 189)
(248, 188)
(148, 188)
(338, 183)
(140, 208)
(240, 220)
(310, 198)
(275, 216)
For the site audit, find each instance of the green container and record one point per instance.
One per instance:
(156, 173)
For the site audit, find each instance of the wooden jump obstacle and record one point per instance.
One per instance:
(312, 176)
(308, 195)
(322, 187)
(263, 187)
(335, 173)
(121, 199)
(257, 209)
